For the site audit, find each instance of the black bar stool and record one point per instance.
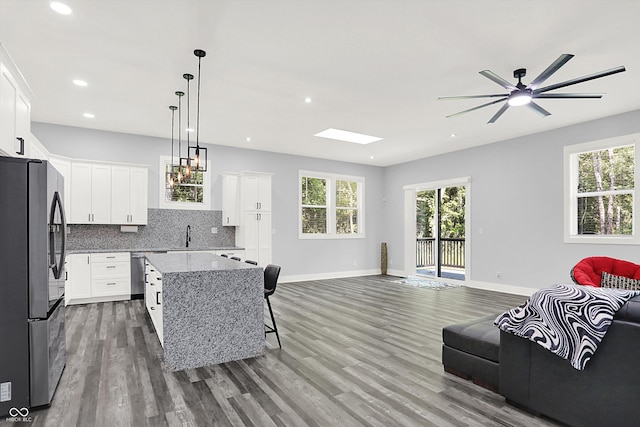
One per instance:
(271, 273)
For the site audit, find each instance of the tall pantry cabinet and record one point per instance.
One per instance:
(254, 231)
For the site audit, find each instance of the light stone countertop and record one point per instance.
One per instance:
(194, 262)
(142, 250)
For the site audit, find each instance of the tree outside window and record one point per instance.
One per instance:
(605, 191)
(314, 205)
(331, 206)
(600, 183)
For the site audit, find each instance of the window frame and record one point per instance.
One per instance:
(331, 179)
(169, 204)
(570, 154)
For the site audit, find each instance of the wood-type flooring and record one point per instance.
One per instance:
(355, 352)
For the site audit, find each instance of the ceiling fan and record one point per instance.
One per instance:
(519, 94)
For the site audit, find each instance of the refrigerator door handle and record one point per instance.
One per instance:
(57, 268)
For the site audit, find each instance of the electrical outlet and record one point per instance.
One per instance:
(499, 274)
(214, 230)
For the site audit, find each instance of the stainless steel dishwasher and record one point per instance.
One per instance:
(137, 273)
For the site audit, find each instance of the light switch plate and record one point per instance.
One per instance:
(5, 392)
(214, 230)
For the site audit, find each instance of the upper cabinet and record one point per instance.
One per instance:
(90, 193)
(15, 108)
(129, 195)
(230, 199)
(108, 194)
(256, 191)
(64, 167)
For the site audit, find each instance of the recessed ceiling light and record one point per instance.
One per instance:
(61, 8)
(248, 139)
(89, 115)
(189, 129)
(308, 100)
(344, 135)
(78, 82)
(453, 135)
(371, 157)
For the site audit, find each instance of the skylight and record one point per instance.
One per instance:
(343, 135)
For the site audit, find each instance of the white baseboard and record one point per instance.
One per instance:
(500, 287)
(323, 276)
(497, 287)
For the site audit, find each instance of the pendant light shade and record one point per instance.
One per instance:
(197, 153)
(179, 173)
(185, 162)
(170, 173)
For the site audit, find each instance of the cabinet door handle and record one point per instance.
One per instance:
(157, 296)
(111, 283)
(152, 308)
(89, 218)
(145, 278)
(21, 151)
(111, 266)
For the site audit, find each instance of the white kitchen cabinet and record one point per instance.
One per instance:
(64, 167)
(256, 191)
(255, 236)
(153, 298)
(230, 199)
(90, 193)
(15, 108)
(254, 232)
(129, 198)
(78, 284)
(98, 277)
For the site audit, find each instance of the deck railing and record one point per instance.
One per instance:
(452, 252)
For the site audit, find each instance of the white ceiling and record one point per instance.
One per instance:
(373, 67)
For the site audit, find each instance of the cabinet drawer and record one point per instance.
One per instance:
(110, 287)
(110, 269)
(110, 257)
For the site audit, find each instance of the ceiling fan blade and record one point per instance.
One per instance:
(499, 113)
(477, 108)
(472, 96)
(569, 95)
(563, 59)
(580, 79)
(538, 109)
(496, 78)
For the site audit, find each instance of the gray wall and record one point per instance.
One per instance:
(517, 200)
(297, 257)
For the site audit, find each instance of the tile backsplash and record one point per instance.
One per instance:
(166, 229)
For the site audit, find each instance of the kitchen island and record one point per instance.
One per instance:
(206, 309)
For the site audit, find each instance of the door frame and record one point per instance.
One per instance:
(410, 191)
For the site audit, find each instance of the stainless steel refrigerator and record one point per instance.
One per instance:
(32, 277)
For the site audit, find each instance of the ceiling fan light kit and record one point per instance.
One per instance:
(521, 94)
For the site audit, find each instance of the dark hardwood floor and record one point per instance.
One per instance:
(356, 352)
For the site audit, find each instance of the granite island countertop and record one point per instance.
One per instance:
(211, 308)
(194, 262)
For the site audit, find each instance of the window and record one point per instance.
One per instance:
(331, 206)
(193, 192)
(601, 180)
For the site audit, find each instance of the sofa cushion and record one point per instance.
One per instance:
(478, 337)
(619, 282)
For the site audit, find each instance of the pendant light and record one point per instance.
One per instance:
(180, 95)
(185, 162)
(173, 109)
(199, 153)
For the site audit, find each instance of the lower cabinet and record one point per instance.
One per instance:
(98, 277)
(153, 298)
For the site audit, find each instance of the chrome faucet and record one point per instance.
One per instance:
(188, 235)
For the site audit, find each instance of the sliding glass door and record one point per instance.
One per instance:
(440, 232)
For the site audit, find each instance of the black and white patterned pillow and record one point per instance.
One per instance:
(619, 282)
